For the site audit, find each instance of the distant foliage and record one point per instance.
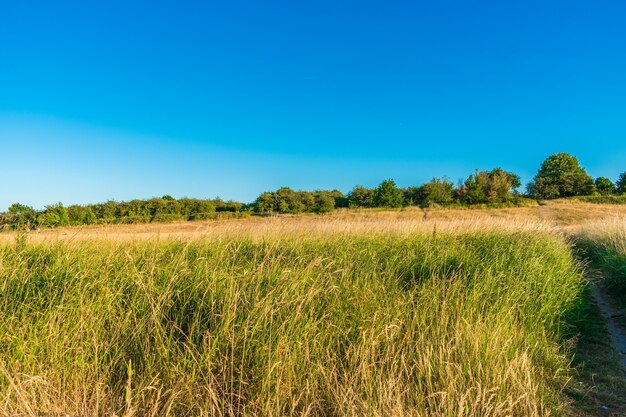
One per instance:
(163, 209)
(21, 216)
(286, 200)
(387, 194)
(361, 197)
(620, 185)
(561, 175)
(604, 186)
(436, 191)
(488, 187)
(54, 216)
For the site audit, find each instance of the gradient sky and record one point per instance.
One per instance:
(119, 100)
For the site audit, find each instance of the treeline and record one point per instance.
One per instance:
(483, 187)
(559, 176)
(162, 209)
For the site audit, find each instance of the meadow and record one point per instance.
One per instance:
(405, 313)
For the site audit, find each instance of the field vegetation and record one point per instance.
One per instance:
(360, 315)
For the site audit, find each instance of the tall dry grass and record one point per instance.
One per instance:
(561, 214)
(308, 319)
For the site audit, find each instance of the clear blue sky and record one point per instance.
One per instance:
(119, 99)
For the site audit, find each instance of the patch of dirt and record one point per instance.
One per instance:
(612, 316)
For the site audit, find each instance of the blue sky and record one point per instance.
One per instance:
(102, 100)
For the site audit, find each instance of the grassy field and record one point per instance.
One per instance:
(565, 215)
(354, 314)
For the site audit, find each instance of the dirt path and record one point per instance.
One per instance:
(611, 315)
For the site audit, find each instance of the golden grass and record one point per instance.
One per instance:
(563, 214)
(459, 322)
(436, 312)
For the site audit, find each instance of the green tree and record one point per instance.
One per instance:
(488, 187)
(361, 197)
(324, 202)
(78, 215)
(265, 203)
(620, 185)
(474, 188)
(411, 196)
(340, 199)
(21, 216)
(436, 191)
(604, 186)
(560, 175)
(55, 215)
(500, 185)
(387, 194)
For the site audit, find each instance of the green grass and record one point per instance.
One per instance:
(605, 248)
(338, 325)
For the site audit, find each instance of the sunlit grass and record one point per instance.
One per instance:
(605, 244)
(445, 323)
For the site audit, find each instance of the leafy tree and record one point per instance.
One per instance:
(500, 185)
(306, 201)
(487, 187)
(22, 216)
(621, 184)
(412, 196)
(78, 215)
(106, 211)
(192, 207)
(55, 215)
(264, 203)
(560, 175)
(474, 188)
(230, 206)
(361, 197)
(286, 200)
(604, 186)
(387, 194)
(436, 191)
(341, 200)
(324, 202)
